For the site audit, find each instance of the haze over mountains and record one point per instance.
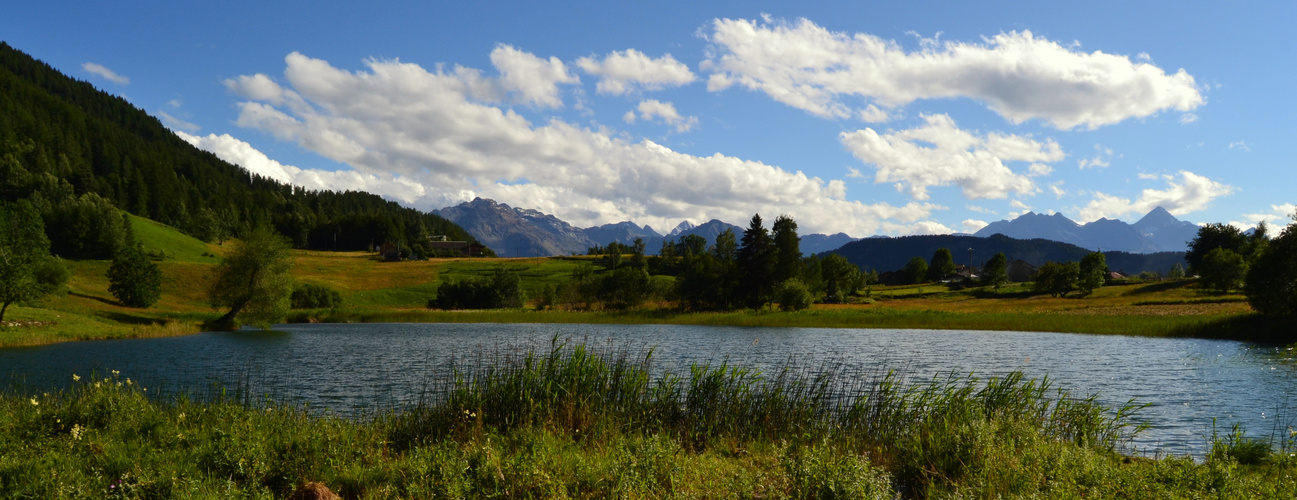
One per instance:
(1158, 231)
(519, 232)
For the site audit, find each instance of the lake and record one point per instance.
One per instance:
(352, 369)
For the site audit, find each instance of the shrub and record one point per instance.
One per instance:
(312, 296)
(793, 295)
(502, 289)
(134, 279)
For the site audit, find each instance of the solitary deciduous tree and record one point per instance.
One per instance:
(840, 276)
(27, 271)
(1211, 237)
(1222, 270)
(254, 280)
(942, 266)
(996, 271)
(915, 271)
(1093, 270)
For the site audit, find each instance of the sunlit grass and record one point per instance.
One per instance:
(376, 291)
(572, 421)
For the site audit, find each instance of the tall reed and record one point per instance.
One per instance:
(927, 431)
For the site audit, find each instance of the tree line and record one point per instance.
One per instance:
(760, 268)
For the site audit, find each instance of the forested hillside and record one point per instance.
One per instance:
(77, 152)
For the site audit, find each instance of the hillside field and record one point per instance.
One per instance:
(376, 291)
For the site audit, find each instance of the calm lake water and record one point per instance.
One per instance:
(356, 368)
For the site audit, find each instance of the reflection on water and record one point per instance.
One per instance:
(351, 369)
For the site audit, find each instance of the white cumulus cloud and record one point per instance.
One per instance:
(240, 153)
(1018, 75)
(973, 225)
(1277, 218)
(631, 70)
(1102, 158)
(664, 112)
(401, 121)
(1187, 193)
(105, 73)
(939, 153)
(535, 80)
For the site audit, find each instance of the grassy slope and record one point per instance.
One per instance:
(398, 291)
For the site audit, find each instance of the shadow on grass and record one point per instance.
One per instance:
(100, 299)
(991, 294)
(132, 319)
(1159, 287)
(1248, 327)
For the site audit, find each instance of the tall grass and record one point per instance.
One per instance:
(574, 421)
(929, 433)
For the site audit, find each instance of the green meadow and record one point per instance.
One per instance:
(376, 291)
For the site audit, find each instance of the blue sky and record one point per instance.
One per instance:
(864, 118)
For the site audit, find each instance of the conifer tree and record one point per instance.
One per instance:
(756, 263)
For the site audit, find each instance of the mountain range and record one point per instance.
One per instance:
(520, 232)
(1158, 231)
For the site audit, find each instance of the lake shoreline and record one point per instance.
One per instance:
(1250, 327)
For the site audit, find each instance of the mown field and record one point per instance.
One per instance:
(376, 291)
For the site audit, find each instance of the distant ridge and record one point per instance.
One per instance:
(891, 254)
(519, 232)
(1157, 231)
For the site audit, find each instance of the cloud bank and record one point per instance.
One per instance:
(1190, 193)
(1016, 74)
(442, 131)
(939, 153)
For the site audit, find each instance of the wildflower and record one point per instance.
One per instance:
(116, 373)
(96, 385)
(34, 402)
(76, 378)
(128, 381)
(77, 431)
(181, 416)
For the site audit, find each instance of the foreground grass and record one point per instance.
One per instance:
(571, 423)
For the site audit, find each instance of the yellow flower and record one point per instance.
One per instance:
(76, 378)
(116, 373)
(77, 431)
(34, 402)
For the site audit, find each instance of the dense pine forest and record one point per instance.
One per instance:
(78, 154)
